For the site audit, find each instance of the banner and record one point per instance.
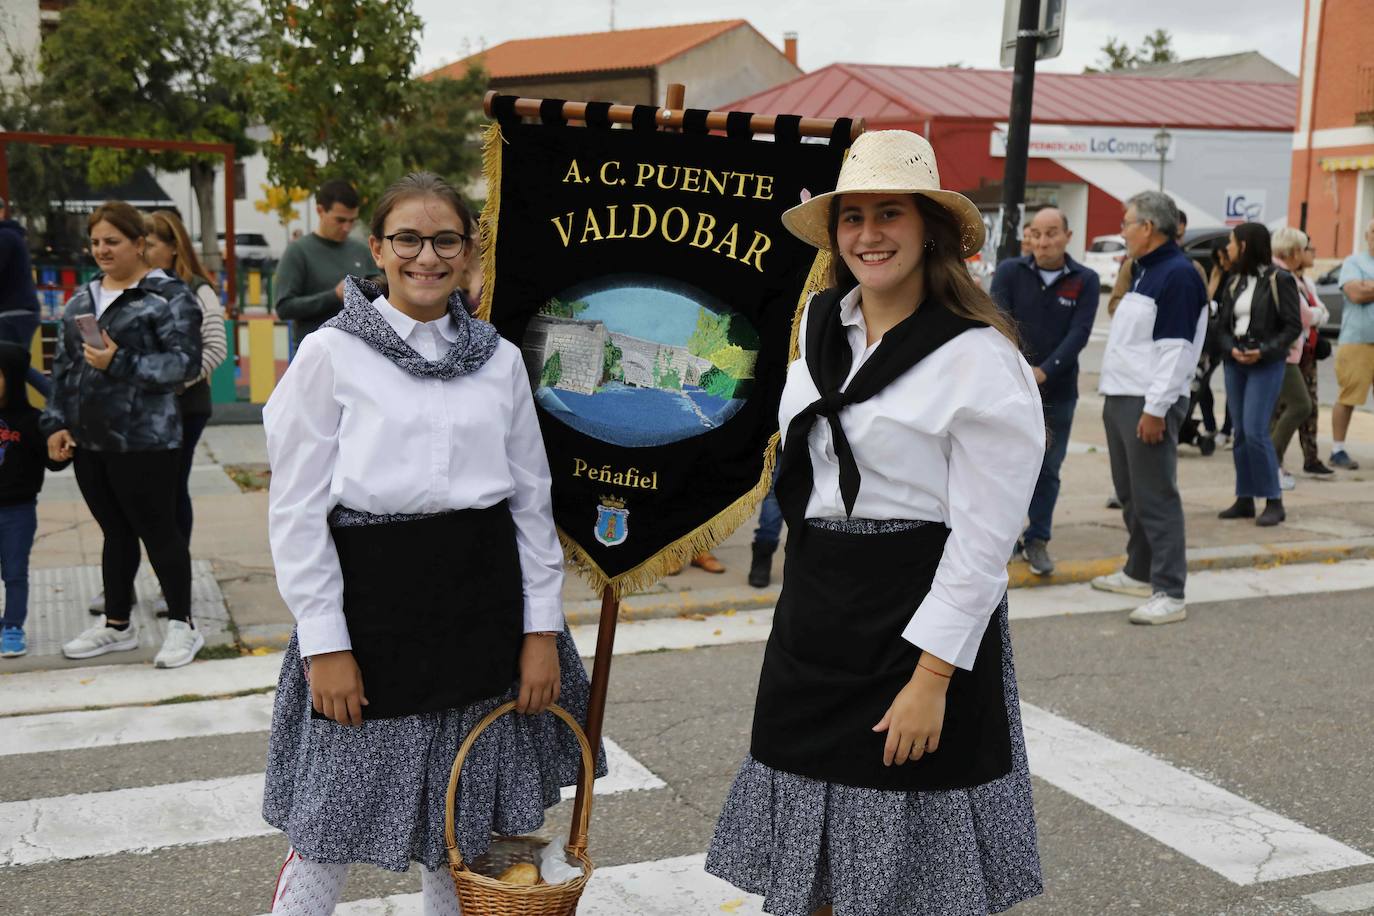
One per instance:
(649, 282)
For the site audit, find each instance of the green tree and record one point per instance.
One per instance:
(737, 362)
(1157, 48)
(439, 130)
(163, 69)
(711, 333)
(337, 78)
(611, 370)
(553, 371)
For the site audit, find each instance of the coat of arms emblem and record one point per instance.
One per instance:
(612, 521)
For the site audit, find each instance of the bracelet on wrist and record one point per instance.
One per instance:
(934, 672)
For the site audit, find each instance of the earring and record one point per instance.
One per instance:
(930, 245)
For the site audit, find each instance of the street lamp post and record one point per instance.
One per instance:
(1162, 140)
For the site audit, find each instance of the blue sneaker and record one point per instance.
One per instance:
(1344, 462)
(12, 643)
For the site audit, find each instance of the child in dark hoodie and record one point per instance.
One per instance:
(23, 459)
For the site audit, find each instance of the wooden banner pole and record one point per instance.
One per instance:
(670, 116)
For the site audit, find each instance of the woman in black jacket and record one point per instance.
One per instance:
(129, 341)
(1258, 319)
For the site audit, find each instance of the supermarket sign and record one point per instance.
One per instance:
(1057, 141)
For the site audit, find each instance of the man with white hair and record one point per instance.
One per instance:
(1355, 346)
(1152, 350)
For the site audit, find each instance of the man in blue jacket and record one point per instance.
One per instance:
(18, 298)
(1152, 350)
(1054, 300)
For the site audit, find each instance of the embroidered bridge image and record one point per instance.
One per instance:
(638, 361)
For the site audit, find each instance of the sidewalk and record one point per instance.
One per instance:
(237, 595)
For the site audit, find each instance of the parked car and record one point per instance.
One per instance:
(1104, 255)
(1329, 292)
(249, 247)
(1198, 243)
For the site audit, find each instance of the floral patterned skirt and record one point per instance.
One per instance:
(376, 793)
(803, 843)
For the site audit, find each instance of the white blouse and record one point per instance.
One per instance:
(957, 439)
(348, 427)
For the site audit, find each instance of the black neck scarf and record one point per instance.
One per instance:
(828, 357)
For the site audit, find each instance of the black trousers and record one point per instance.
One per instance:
(192, 425)
(133, 496)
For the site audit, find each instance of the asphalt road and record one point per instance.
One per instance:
(1267, 698)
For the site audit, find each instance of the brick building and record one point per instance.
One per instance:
(716, 61)
(1333, 146)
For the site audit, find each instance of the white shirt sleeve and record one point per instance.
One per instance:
(1175, 360)
(994, 460)
(301, 420)
(531, 506)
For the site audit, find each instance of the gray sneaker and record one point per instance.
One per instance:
(180, 645)
(97, 606)
(100, 639)
(1038, 557)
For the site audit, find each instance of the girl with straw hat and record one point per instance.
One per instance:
(887, 769)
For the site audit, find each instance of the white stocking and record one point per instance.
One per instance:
(437, 891)
(308, 888)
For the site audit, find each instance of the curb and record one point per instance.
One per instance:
(703, 602)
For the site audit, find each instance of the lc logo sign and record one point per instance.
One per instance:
(1245, 206)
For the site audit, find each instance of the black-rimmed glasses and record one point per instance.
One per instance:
(408, 245)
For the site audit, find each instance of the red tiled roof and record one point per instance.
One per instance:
(594, 52)
(905, 94)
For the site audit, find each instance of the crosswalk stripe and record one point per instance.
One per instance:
(146, 818)
(1354, 899)
(1234, 837)
(66, 731)
(667, 887)
(69, 731)
(136, 820)
(127, 685)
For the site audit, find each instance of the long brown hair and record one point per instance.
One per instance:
(167, 226)
(947, 276)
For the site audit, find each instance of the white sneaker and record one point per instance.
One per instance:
(1122, 584)
(100, 639)
(180, 645)
(1286, 480)
(1160, 609)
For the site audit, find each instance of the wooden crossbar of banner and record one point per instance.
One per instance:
(671, 118)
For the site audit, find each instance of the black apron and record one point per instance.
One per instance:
(836, 658)
(435, 609)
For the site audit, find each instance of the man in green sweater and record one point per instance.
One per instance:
(308, 288)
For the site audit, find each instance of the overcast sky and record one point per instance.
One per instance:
(912, 32)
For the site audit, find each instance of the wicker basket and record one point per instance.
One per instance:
(479, 893)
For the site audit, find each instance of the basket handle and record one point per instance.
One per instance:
(578, 846)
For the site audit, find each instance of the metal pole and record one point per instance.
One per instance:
(1018, 128)
(1162, 152)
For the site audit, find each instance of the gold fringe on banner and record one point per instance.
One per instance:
(708, 535)
(492, 140)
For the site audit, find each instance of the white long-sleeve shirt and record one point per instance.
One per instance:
(348, 427)
(957, 439)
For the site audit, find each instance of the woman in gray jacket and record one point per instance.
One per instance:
(129, 341)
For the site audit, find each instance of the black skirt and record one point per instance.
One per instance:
(836, 660)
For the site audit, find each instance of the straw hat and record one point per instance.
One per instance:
(887, 162)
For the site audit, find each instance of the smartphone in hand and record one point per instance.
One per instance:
(89, 329)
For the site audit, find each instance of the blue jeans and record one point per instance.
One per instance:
(19, 329)
(1252, 392)
(1058, 423)
(769, 530)
(18, 525)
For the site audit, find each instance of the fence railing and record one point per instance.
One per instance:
(1364, 94)
(259, 349)
(57, 283)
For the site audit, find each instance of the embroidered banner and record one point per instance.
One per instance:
(649, 282)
